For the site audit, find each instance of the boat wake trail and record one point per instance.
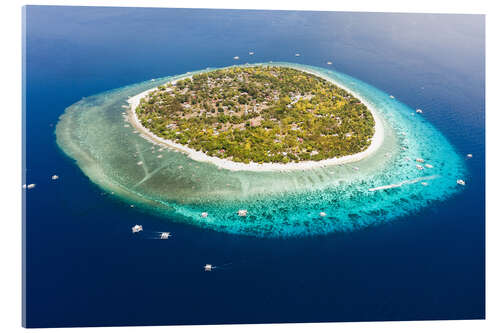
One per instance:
(406, 182)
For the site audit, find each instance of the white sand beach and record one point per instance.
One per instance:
(376, 141)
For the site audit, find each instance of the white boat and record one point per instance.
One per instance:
(424, 183)
(419, 111)
(208, 268)
(297, 54)
(136, 228)
(419, 167)
(322, 214)
(250, 53)
(242, 212)
(469, 155)
(165, 235)
(461, 182)
(139, 163)
(420, 160)
(429, 166)
(328, 62)
(55, 177)
(30, 186)
(204, 214)
(236, 58)
(392, 97)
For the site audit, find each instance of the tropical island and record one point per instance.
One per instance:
(258, 114)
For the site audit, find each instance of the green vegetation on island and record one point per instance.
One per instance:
(259, 114)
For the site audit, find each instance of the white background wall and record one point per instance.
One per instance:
(10, 160)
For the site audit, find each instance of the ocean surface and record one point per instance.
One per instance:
(84, 267)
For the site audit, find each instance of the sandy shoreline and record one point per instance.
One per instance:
(376, 141)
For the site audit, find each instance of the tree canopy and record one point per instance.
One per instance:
(260, 114)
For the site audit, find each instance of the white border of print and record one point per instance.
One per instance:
(10, 193)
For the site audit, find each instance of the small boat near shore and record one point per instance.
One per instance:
(136, 228)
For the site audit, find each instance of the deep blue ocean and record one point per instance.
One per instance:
(83, 267)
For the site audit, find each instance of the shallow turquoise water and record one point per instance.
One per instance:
(95, 133)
